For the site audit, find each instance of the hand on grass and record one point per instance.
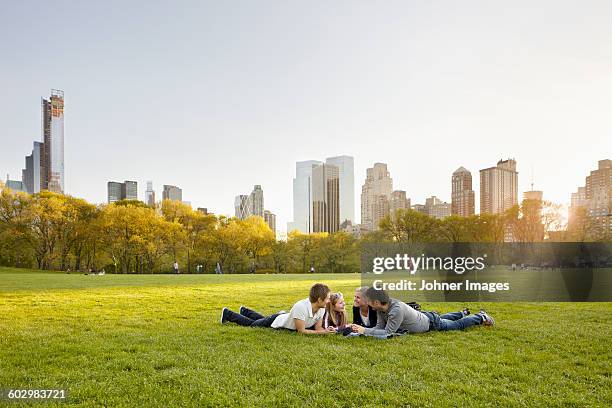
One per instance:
(357, 328)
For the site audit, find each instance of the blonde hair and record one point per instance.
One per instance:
(335, 318)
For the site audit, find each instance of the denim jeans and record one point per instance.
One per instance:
(451, 321)
(251, 318)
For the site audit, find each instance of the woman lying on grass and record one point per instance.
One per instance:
(335, 312)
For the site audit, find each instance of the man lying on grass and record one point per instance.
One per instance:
(396, 317)
(306, 315)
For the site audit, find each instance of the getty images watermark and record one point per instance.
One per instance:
(411, 264)
(490, 272)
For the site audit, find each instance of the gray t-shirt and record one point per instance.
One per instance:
(399, 317)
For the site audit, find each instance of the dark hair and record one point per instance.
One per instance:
(377, 294)
(318, 291)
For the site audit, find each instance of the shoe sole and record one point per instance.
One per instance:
(488, 320)
(223, 314)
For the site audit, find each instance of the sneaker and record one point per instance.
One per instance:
(487, 320)
(241, 310)
(465, 312)
(224, 315)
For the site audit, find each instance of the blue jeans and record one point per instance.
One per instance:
(451, 321)
(251, 318)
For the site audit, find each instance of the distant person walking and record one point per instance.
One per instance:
(218, 269)
(176, 268)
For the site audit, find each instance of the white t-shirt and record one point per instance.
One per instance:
(302, 310)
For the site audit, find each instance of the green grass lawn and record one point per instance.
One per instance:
(156, 340)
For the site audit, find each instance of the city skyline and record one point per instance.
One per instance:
(424, 105)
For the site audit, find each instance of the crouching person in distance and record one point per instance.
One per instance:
(306, 315)
(395, 316)
(363, 314)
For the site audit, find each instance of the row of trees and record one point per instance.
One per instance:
(54, 231)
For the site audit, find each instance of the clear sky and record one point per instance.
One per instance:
(218, 96)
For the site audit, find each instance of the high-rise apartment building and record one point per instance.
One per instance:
(302, 197)
(302, 192)
(249, 205)
(44, 168)
(434, 207)
(34, 173)
(150, 194)
(127, 190)
(498, 187)
(325, 198)
(375, 196)
(257, 201)
(270, 219)
(172, 193)
(242, 206)
(346, 176)
(53, 137)
(596, 198)
(114, 191)
(398, 201)
(462, 196)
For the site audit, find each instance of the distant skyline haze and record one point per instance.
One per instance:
(217, 97)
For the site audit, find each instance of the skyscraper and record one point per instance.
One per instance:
(127, 190)
(346, 175)
(375, 195)
(242, 206)
(150, 194)
(325, 198)
(53, 137)
(172, 193)
(251, 204)
(257, 201)
(398, 201)
(34, 172)
(302, 197)
(114, 191)
(596, 198)
(498, 187)
(462, 196)
(270, 219)
(302, 192)
(44, 168)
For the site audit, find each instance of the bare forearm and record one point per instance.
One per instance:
(310, 331)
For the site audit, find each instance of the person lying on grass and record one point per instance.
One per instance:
(306, 315)
(396, 317)
(363, 314)
(335, 312)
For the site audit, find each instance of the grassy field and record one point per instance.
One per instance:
(155, 340)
